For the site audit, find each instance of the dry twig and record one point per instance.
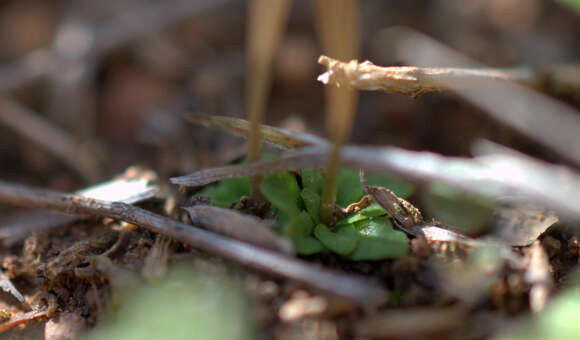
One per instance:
(239, 226)
(348, 286)
(134, 185)
(494, 175)
(407, 80)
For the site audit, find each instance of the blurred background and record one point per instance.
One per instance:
(91, 87)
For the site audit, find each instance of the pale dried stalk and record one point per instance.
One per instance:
(338, 26)
(266, 22)
(407, 80)
(349, 286)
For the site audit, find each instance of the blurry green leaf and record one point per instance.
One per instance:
(299, 229)
(374, 209)
(342, 242)
(572, 3)
(312, 180)
(312, 203)
(281, 189)
(349, 189)
(299, 226)
(227, 191)
(400, 188)
(186, 304)
(378, 240)
(308, 246)
(466, 212)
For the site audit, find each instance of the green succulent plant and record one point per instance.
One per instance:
(366, 235)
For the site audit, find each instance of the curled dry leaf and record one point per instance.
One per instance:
(280, 138)
(399, 209)
(520, 224)
(239, 226)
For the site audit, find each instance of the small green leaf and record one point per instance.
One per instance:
(281, 189)
(371, 211)
(349, 189)
(400, 188)
(312, 180)
(342, 242)
(312, 203)
(299, 229)
(300, 225)
(575, 4)
(227, 191)
(308, 246)
(378, 240)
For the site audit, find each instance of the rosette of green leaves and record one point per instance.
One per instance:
(366, 235)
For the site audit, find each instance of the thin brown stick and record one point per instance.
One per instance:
(408, 80)
(347, 286)
(493, 174)
(134, 185)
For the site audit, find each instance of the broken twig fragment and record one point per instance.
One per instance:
(239, 226)
(407, 80)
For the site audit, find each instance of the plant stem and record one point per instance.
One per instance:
(266, 22)
(338, 26)
(329, 192)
